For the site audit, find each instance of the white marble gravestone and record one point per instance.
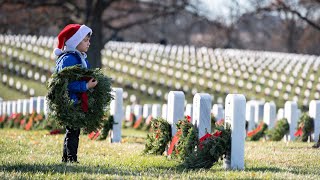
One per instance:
(314, 112)
(164, 111)
(46, 107)
(156, 110)
(32, 104)
(175, 109)
(40, 104)
(117, 112)
(291, 113)
(147, 108)
(258, 115)
(189, 110)
(129, 110)
(217, 111)
(201, 116)
(9, 108)
(1, 107)
(19, 105)
(4, 107)
(14, 106)
(250, 110)
(137, 111)
(269, 114)
(280, 114)
(235, 115)
(25, 107)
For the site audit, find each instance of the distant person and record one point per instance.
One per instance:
(73, 43)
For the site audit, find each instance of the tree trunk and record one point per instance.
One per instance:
(94, 21)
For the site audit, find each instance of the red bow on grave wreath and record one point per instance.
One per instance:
(84, 97)
(203, 138)
(299, 132)
(174, 141)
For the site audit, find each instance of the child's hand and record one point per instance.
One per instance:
(92, 83)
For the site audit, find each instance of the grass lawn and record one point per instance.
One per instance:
(36, 155)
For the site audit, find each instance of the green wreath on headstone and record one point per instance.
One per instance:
(159, 137)
(280, 129)
(65, 111)
(306, 126)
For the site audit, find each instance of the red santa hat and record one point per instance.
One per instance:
(71, 36)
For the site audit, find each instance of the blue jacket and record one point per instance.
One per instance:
(75, 87)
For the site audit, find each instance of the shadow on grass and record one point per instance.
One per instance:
(62, 168)
(293, 170)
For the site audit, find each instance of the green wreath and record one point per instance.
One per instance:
(259, 132)
(158, 140)
(63, 109)
(280, 129)
(188, 139)
(107, 127)
(212, 147)
(306, 125)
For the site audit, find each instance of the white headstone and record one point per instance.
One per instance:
(269, 114)
(250, 110)
(9, 108)
(32, 104)
(258, 115)
(235, 114)
(25, 107)
(19, 105)
(314, 112)
(40, 104)
(202, 113)
(46, 109)
(4, 107)
(129, 110)
(189, 110)
(175, 109)
(117, 112)
(290, 113)
(1, 107)
(137, 111)
(280, 114)
(146, 110)
(156, 110)
(14, 106)
(164, 111)
(299, 114)
(217, 111)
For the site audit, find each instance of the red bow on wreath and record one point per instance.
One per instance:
(84, 97)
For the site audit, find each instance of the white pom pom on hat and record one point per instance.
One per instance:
(71, 36)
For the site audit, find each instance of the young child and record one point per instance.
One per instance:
(73, 43)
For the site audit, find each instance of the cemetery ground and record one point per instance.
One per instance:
(37, 155)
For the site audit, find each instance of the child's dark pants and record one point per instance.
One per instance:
(70, 145)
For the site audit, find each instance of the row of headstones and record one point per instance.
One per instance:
(261, 62)
(27, 59)
(9, 81)
(224, 78)
(158, 110)
(25, 73)
(232, 81)
(201, 117)
(40, 44)
(203, 52)
(257, 111)
(16, 41)
(24, 106)
(307, 92)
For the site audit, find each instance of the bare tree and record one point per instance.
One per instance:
(106, 17)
